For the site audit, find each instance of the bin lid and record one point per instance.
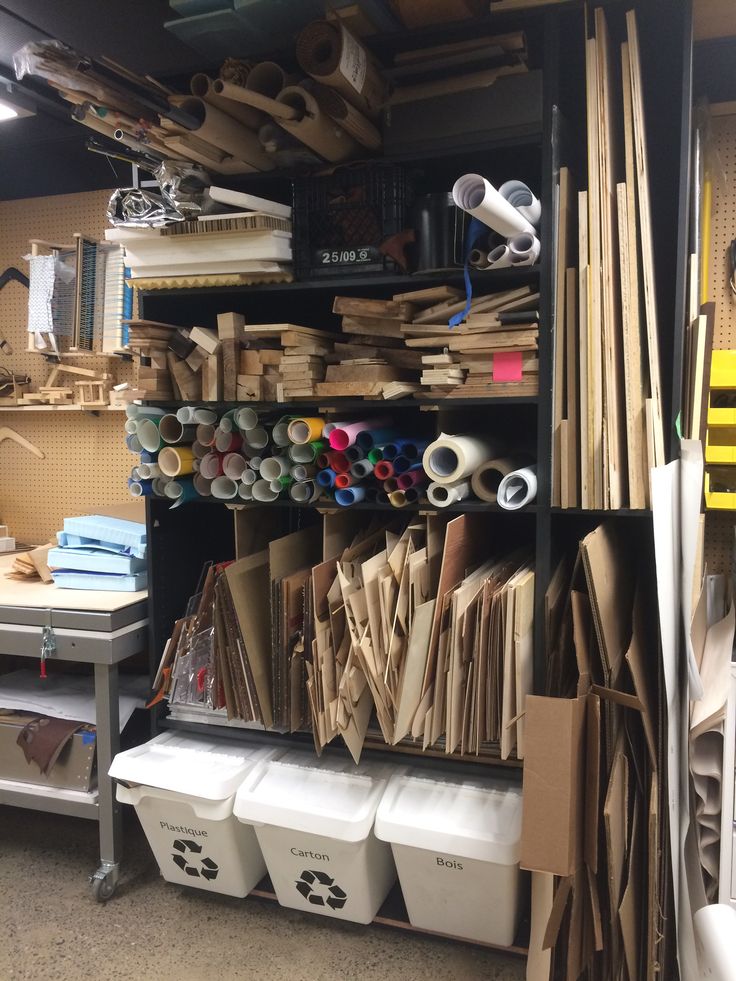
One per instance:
(330, 796)
(194, 766)
(438, 811)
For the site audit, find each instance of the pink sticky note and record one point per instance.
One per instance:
(507, 366)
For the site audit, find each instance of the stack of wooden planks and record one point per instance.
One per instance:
(148, 341)
(607, 409)
(287, 362)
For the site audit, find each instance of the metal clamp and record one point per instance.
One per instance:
(48, 645)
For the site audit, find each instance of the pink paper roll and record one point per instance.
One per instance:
(345, 435)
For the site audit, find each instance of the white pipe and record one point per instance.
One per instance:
(443, 495)
(246, 419)
(474, 194)
(224, 489)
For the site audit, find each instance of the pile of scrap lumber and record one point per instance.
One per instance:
(88, 388)
(405, 346)
(282, 362)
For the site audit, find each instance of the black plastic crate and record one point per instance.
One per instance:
(342, 218)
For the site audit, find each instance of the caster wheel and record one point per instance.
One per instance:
(103, 886)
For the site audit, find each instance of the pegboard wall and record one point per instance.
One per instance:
(86, 461)
(719, 526)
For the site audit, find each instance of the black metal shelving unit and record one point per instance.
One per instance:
(182, 539)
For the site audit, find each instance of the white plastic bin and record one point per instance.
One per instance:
(314, 822)
(456, 847)
(183, 790)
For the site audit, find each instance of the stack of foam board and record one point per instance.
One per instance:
(100, 552)
(252, 244)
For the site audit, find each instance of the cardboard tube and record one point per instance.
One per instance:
(246, 419)
(451, 458)
(518, 488)
(202, 86)
(361, 469)
(524, 250)
(245, 492)
(267, 78)
(234, 466)
(349, 495)
(263, 493)
(343, 112)
(345, 435)
(443, 495)
(520, 196)
(176, 461)
(487, 478)
(223, 132)
(148, 436)
(173, 431)
(224, 488)
(314, 128)
(305, 493)
(202, 485)
(326, 478)
(329, 53)
(210, 466)
(306, 452)
(254, 100)
(474, 194)
(305, 430)
(205, 434)
(274, 467)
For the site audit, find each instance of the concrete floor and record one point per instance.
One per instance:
(51, 930)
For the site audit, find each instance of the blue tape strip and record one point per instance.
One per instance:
(476, 228)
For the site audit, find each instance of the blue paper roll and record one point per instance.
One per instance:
(147, 457)
(375, 437)
(349, 495)
(326, 478)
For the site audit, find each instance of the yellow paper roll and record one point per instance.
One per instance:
(305, 430)
(176, 461)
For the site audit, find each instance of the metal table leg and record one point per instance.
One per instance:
(105, 879)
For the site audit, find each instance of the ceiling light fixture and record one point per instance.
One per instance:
(13, 102)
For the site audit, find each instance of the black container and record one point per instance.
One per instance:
(439, 233)
(341, 219)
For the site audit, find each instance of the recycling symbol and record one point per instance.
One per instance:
(208, 869)
(319, 889)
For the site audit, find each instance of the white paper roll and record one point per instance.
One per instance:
(524, 250)
(451, 458)
(474, 194)
(206, 434)
(499, 258)
(224, 489)
(443, 495)
(280, 432)
(246, 419)
(274, 467)
(189, 414)
(256, 438)
(302, 453)
(262, 492)
(517, 489)
(131, 426)
(199, 450)
(158, 485)
(148, 471)
(249, 476)
(202, 485)
(715, 932)
(245, 492)
(234, 466)
(134, 411)
(255, 463)
(519, 194)
(306, 492)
